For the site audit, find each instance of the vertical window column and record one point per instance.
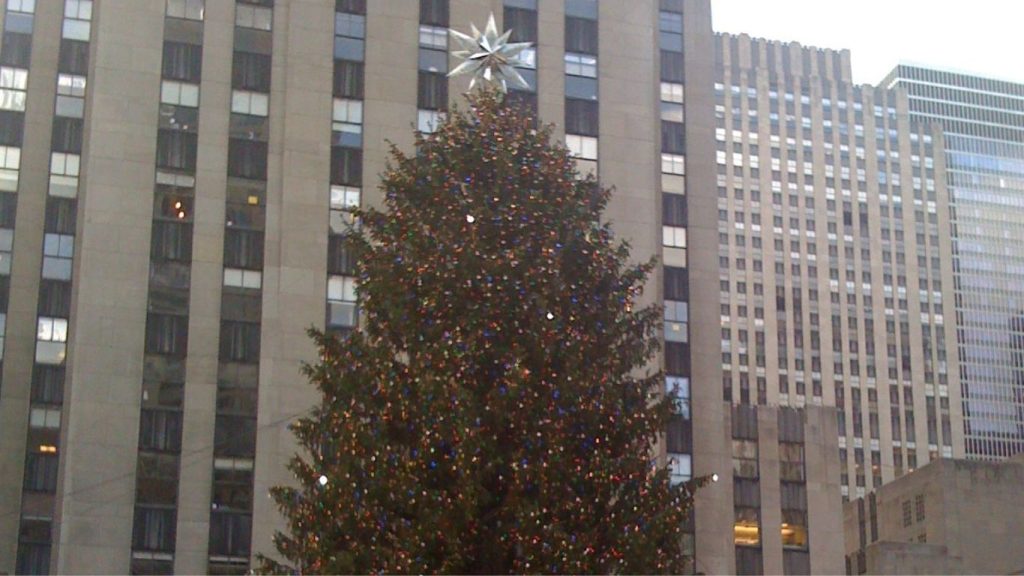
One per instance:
(520, 16)
(54, 304)
(432, 94)
(347, 157)
(160, 426)
(241, 296)
(746, 490)
(581, 109)
(793, 490)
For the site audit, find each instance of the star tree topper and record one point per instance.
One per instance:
(489, 57)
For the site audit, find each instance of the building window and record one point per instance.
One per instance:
(230, 534)
(581, 117)
(41, 471)
(52, 329)
(64, 169)
(154, 529)
(188, 9)
(673, 236)
(433, 91)
(581, 65)
(346, 166)
(251, 103)
(176, 150)
(58, 250)
(680, 468)
(433, 37)
(744, 458)
(908, 516)
(673, 164)
(434, 12)
(33, 545)
(243, 249)
(582, 147)
(70, 96)
(251, 72)
(919, 507)
(673, 137)
(26, 6)
(247, 279)
(672, 67)
(257, 17)
(180, 94)
(166, 334)
(182, 62)
(172, 241)
(247, 159)
(6, 248)
(240, 342)
(341, 301)
(160, 430)
(13, 83)
(74, 57)
(348, 79)
(580, 35)
(746, 531)
(678, 389)
(77, 14)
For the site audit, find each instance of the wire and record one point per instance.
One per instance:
(181, 466)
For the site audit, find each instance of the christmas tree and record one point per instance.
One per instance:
(488, 417)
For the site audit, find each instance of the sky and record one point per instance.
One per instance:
(981, 37)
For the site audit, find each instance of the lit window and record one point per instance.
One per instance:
(794, 529)
(427, 121)
(258, 17)
(348, 115)
(70, 96)
(238, 278)
(251, 103)
(341, 301)
(64, 174)
(433, 37)
(584, 147)
(673, 164)
(747, 530)
(179, 93)
(673, 236)
(343, 200)
(678, 389)
(190, 9)
(52, 329)
(44, 418)
(672, 92)
(77, 14)
(581, 65)
(680, 468)
(28, 6)
(58, 250)
(13, 82)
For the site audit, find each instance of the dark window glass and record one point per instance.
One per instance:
(251, 71)
(243, 249)
(230, 534)
(33, 546)
(74, 57)
(154, 529)
(350, 6)
(679, 435)
(41, 472)
(676, 284)
(176, 150)
(528, 100)
(673, 210)
(796, 562)
(580, 35)
(234, 437)
(677, 358)
(748, 560)
(522, 23)
(247, 159)
(433, 91)
(12, 128)
(8, 209)
(48, 384)
(160, 430)
(346, 166)
(581, 117)
(171, 241)
(183, 61)
(434, 12)
(240, 342)
(54, 298)
(17, 50)
(60, 215)
(232, 489)
(339, 259)
(166, 334)
(673, 138)
(67, 135)
(672, 66)
(348, 79)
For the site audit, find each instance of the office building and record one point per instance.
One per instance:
(949, 517)
(983, 122)
(175, 177)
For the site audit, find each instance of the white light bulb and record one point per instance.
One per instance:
(714, 477)
(470, 218)
(551, 316)
(323, 480)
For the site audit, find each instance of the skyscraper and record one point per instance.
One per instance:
(983, 121)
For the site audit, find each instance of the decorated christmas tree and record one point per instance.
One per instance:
(496, 412)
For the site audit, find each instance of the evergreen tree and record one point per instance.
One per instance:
(489, 417)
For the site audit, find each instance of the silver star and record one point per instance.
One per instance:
(489, 57)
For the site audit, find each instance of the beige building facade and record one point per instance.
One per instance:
(949, 517)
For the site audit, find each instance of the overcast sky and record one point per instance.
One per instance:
(982, 37)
